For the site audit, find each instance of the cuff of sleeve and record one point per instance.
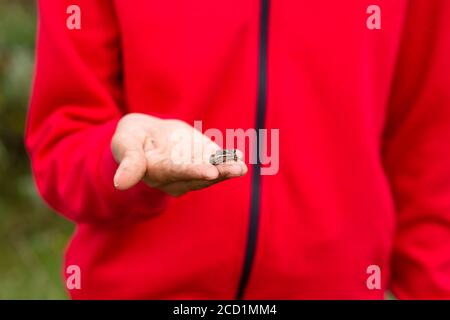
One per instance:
(138, 202)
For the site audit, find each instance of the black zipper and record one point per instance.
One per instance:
(260, 122)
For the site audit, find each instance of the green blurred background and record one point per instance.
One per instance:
(32, 237)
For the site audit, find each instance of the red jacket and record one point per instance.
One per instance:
(364, 119)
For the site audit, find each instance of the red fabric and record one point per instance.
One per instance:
(364, 119)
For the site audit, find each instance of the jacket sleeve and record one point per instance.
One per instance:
(76, 103)
(417, 154)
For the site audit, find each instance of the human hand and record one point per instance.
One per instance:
(169, 155)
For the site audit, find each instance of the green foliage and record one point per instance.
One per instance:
(32, 238)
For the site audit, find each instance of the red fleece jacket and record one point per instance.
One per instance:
(364, 164)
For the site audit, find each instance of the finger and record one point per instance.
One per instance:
(127, 147)
(232, 169)
(181, 187)
(162, 170)
(226, 171)
(131, 170)
(123, 142)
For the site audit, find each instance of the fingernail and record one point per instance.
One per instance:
(116, 184)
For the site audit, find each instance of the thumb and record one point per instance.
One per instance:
(131, 170)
